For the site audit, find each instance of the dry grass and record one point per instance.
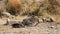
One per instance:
(14, 6)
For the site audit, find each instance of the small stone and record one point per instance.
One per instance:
(52, 27)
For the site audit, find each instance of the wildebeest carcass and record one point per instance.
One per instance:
(31, 21)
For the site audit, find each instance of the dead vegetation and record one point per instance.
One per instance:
(15, 6)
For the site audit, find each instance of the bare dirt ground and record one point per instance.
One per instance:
(41, 28)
